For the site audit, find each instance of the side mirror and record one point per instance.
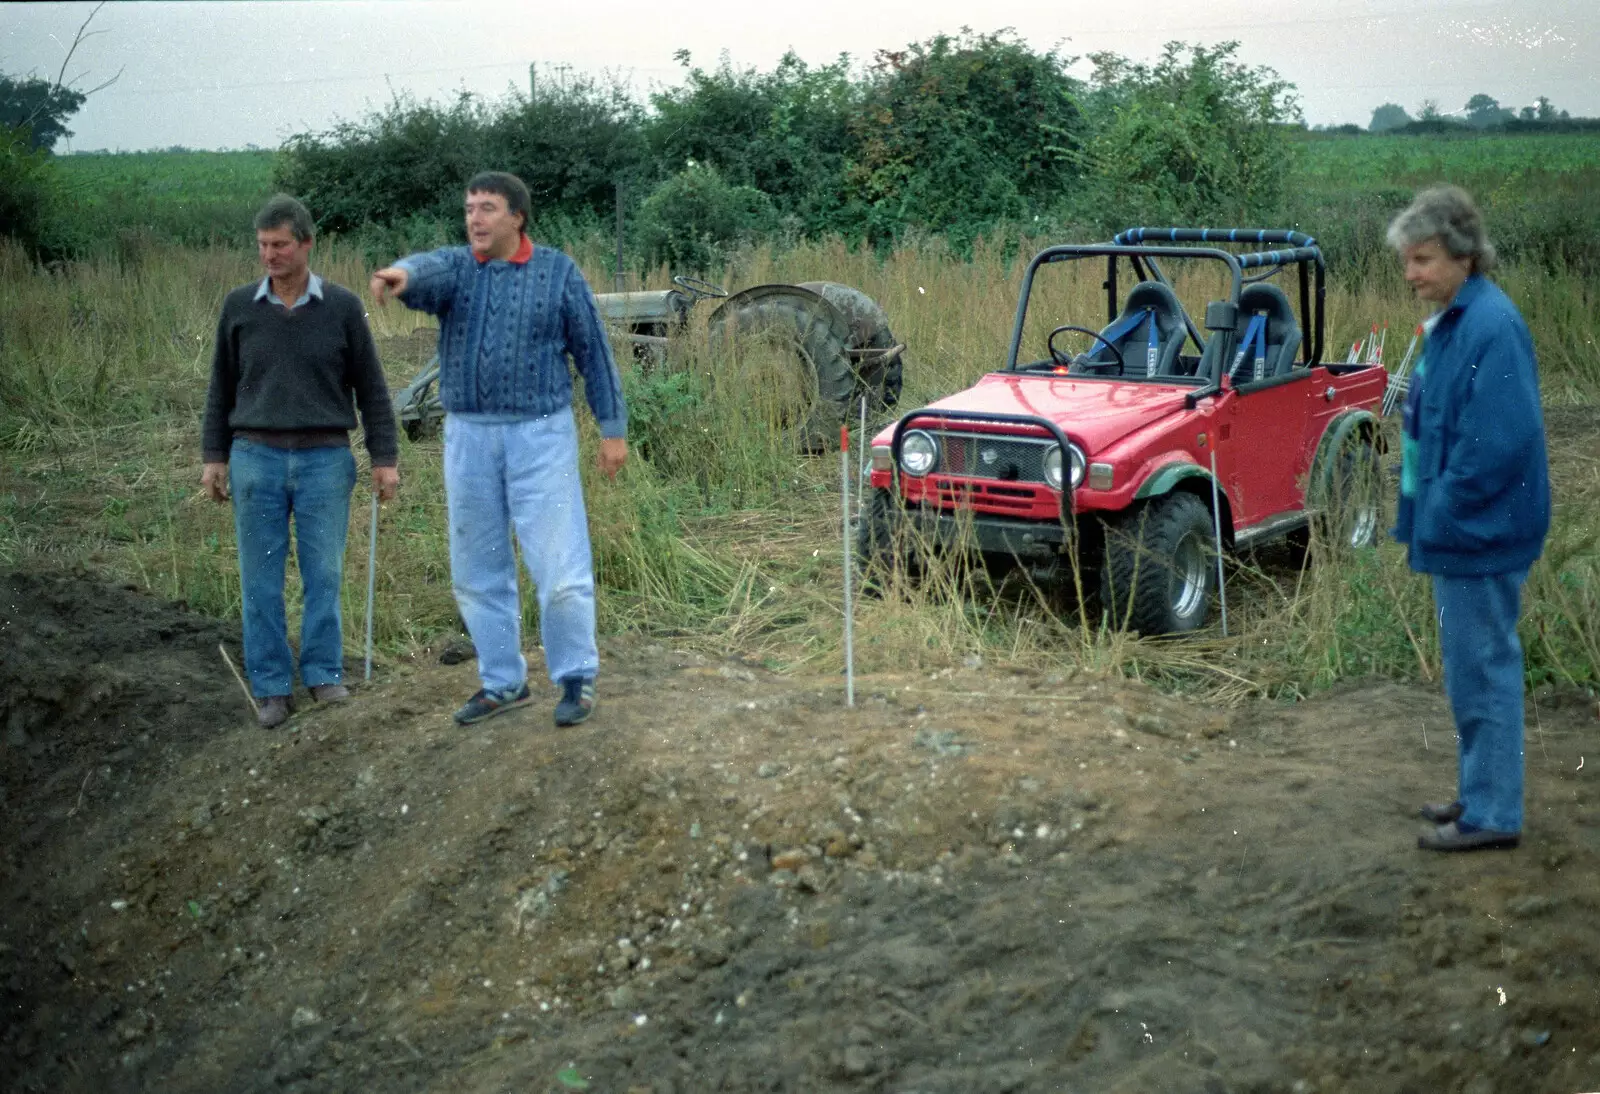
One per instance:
(1222, 315)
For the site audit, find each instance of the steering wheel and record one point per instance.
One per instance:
(699, 289)
(1080, 361)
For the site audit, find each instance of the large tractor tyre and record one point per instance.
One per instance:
(884, 543)
(880, 374)
(789, 346)
(1157, 573)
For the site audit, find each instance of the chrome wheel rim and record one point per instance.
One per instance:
(1188, 578)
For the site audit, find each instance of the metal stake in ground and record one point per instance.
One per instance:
(1216, 525)
(372, 578)
(849, 648)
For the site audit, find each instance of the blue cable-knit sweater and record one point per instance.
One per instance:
(505, 330)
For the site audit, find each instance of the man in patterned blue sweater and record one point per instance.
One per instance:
(509, 315)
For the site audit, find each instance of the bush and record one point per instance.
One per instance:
(785, 132)
(692, 220)
(961, 134)
(1197, 138)
(30, 191)
(572, 145)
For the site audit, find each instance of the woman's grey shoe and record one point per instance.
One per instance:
(1449, 837)
(273, 711)
(1441, 814)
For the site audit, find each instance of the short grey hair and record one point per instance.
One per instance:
(1448, 214)
(280, 211)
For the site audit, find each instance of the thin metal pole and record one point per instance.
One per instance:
(619, 238)
(849, 622)
(372, 578)
(1216, 524)
(861, 476)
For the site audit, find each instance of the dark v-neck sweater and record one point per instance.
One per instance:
(278, 371)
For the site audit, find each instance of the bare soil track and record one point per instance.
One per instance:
(980, 881)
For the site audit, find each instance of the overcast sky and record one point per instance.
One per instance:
(226, 75)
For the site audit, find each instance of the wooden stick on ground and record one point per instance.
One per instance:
(251, 699)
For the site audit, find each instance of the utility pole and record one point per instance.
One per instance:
(533, 82)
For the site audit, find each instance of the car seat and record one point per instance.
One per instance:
(1149, 333)
(1267, 338)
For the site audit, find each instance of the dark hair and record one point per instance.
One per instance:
(281, 210)
(508, 186)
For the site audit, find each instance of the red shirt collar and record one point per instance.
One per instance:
(523, 253)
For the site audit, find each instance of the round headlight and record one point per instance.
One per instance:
(1077, 467)
(1080, 465)
(1052, 466)
(918, 453)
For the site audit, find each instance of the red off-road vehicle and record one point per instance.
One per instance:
(1131, 457)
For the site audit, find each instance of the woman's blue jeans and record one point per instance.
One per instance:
(269, 485)
(520, 475)
(1483, 675)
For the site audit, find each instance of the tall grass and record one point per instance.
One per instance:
(717, 532)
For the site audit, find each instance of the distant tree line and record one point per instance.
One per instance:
(1481, 112)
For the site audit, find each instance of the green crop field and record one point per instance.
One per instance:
(1387, 160)
(185, 197)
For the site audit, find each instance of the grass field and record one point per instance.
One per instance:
(1498, 159)
(723, 537)
(131, 198)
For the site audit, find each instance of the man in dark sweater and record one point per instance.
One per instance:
(291, 350)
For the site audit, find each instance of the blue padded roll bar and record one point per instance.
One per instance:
(1214, 235)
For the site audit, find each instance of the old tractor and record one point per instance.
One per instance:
(833, 341)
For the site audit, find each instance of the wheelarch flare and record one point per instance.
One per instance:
(1190, 478)
(1354, 422)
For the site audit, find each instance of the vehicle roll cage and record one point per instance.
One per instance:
(1301, 251)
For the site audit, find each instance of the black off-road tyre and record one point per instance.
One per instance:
(1158, 572)
(1353, 512)
(1349, 511)
(885, 543)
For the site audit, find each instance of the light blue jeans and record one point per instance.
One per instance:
(522, 476)
(1483, 675)
(269, 485)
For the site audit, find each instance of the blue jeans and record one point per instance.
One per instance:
(523, 476)
(268, 485)
(1483, 676)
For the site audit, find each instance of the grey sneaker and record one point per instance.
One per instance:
(273, 711)
(330, 693)
(1450, 837)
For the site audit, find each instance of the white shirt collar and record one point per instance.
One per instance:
(313, 289)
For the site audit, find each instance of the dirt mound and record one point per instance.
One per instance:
(981, 880)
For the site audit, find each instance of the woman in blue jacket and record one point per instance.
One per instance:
(1474, 503)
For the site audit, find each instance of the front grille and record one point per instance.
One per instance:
(992, 456)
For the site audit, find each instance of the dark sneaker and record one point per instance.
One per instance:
(273, 711)
(577, 701)
(330, 693)
(1452, 837)
(486, 704)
